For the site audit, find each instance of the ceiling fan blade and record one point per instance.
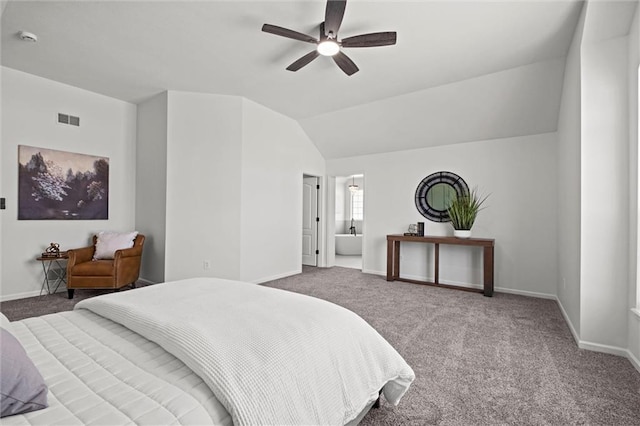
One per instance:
(333, 16)
(345, 63)
(303, 61)
(284, 32)
(370, 40)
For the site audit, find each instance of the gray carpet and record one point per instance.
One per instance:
(478, 361)
(48, 304)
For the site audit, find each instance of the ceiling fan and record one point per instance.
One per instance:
(328, 43)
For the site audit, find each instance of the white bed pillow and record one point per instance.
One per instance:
(23, 388)
(108, 242)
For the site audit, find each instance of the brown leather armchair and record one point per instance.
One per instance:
(122, 270)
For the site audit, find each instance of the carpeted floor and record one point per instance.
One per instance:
(48, 304)
(478, 361)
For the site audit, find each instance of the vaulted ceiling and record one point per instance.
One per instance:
(460, 71)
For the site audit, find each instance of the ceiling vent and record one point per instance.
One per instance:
(68, 119)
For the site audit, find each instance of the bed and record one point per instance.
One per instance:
(208, 351)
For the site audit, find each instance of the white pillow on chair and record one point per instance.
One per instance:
(108, 242)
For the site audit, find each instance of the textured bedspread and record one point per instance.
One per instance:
(269, 356)
(101, 373)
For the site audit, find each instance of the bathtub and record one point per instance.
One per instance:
(349, 245)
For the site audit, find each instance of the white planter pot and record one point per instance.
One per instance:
(462, 233)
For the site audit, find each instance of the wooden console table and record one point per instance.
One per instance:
(393, 259)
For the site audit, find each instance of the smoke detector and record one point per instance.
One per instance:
(27, 36)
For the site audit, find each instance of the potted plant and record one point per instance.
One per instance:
(463, 212)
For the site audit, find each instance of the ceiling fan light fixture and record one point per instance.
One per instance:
(328, 48)
(328, 44)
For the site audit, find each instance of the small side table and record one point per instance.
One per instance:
(53, 266)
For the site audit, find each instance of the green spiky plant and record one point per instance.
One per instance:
(464, 209)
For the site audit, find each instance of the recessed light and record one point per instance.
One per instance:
(27, 36)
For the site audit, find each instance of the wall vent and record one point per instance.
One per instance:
(68, 119)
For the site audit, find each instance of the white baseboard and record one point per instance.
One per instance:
(37, 292)
(421, 278)
(525, 293)
(61, 289)
(607, 349)
(632, 358)
(574, 333)
(27, 294)
(277, 277)
(612, 350)
(17, 296)
(597, 347)
(257, 281)
(146, 281)
(474, 286)
(634, 361)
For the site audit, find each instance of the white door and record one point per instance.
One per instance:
(310, 221)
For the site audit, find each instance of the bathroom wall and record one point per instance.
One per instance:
(341, 213)
(343, 204)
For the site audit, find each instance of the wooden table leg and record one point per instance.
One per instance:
(396, 260)
(389, 260)
(488, 271)
(436, 277)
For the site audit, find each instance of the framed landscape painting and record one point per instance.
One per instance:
(61, 185)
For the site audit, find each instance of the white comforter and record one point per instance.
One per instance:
(270, 356)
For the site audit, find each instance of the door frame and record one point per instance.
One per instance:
(330, 223)
(329, 237)
(321, 231)
(310, 220)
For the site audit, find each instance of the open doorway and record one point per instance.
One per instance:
(349, 220)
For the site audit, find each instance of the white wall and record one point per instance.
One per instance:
(597, 132)
(340, 204)
(330, 210)
(203, 217)
(30, 106)
(233, 187)
(604, 194)
(520, 176)
(151, 184)
(569, 215)
(276, 153)
(3, 213)
(634, 187)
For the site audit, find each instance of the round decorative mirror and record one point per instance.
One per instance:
(435, 192)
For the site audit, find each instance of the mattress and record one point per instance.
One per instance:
(101, 373)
